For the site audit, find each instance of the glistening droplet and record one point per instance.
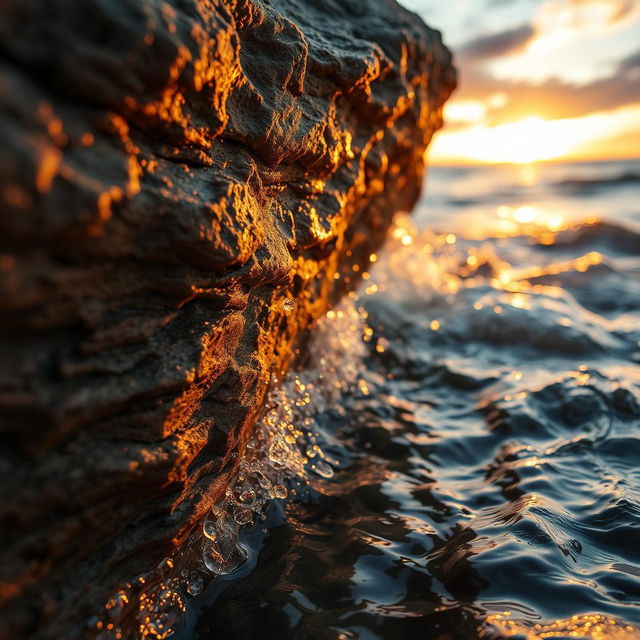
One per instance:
(279, 491)
(247, 497)
(195, 584)
(243, 516)
(209, 529)
(288, 304)
(323, 469)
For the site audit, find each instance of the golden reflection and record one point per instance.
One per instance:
(581, 377)
(528, 175)
(539, 219)
(591, 626)
(449, 266)
(541, 223)
(519, 300)
(582, 264)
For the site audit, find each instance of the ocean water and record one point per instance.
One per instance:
(461, 452)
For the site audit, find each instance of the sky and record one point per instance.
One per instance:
(539, 80)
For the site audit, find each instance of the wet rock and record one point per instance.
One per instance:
(185, 187)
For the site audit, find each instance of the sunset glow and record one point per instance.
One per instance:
(597, 136)
(539, 81)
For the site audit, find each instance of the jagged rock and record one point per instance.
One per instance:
(171, 173)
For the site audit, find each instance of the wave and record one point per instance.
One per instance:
(603, 236)
(582, 185)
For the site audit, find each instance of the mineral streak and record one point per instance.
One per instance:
(185, 187)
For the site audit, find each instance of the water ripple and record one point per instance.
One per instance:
(488, 483)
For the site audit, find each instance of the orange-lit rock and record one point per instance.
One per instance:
(170, 174)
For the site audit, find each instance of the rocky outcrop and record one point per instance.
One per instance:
(173, 176)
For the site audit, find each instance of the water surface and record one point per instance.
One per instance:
(477, 458)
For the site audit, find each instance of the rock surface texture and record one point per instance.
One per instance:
(170, 174)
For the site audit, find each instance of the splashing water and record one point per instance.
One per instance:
(285, 443)
(285, 449)
(459, 460)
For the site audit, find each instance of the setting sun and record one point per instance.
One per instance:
(534, 139)
(551, 80)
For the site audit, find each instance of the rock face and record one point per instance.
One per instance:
(172, 176)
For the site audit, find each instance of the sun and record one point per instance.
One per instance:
(531, 139)
(525, 141)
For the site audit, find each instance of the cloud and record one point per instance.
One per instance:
(617, 10)
(586, 14)
(552, 98)
(542, 60)
(498, 44)
(631, 64)
(623, 9)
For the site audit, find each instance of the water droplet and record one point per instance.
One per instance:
(195, 584)
(165, 566)
(212, 560)
(263, 481)
(323, 469)
(280, 491)
(209, 529)
(247, 497)
(160, 613)
(243, 516)
(220, 566)
(288, 304)
(278, 451)
(226, 538)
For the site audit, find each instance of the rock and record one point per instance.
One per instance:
(185, 187)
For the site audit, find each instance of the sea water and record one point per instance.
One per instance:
(463, 459)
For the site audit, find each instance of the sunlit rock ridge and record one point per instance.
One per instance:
(185, 188)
